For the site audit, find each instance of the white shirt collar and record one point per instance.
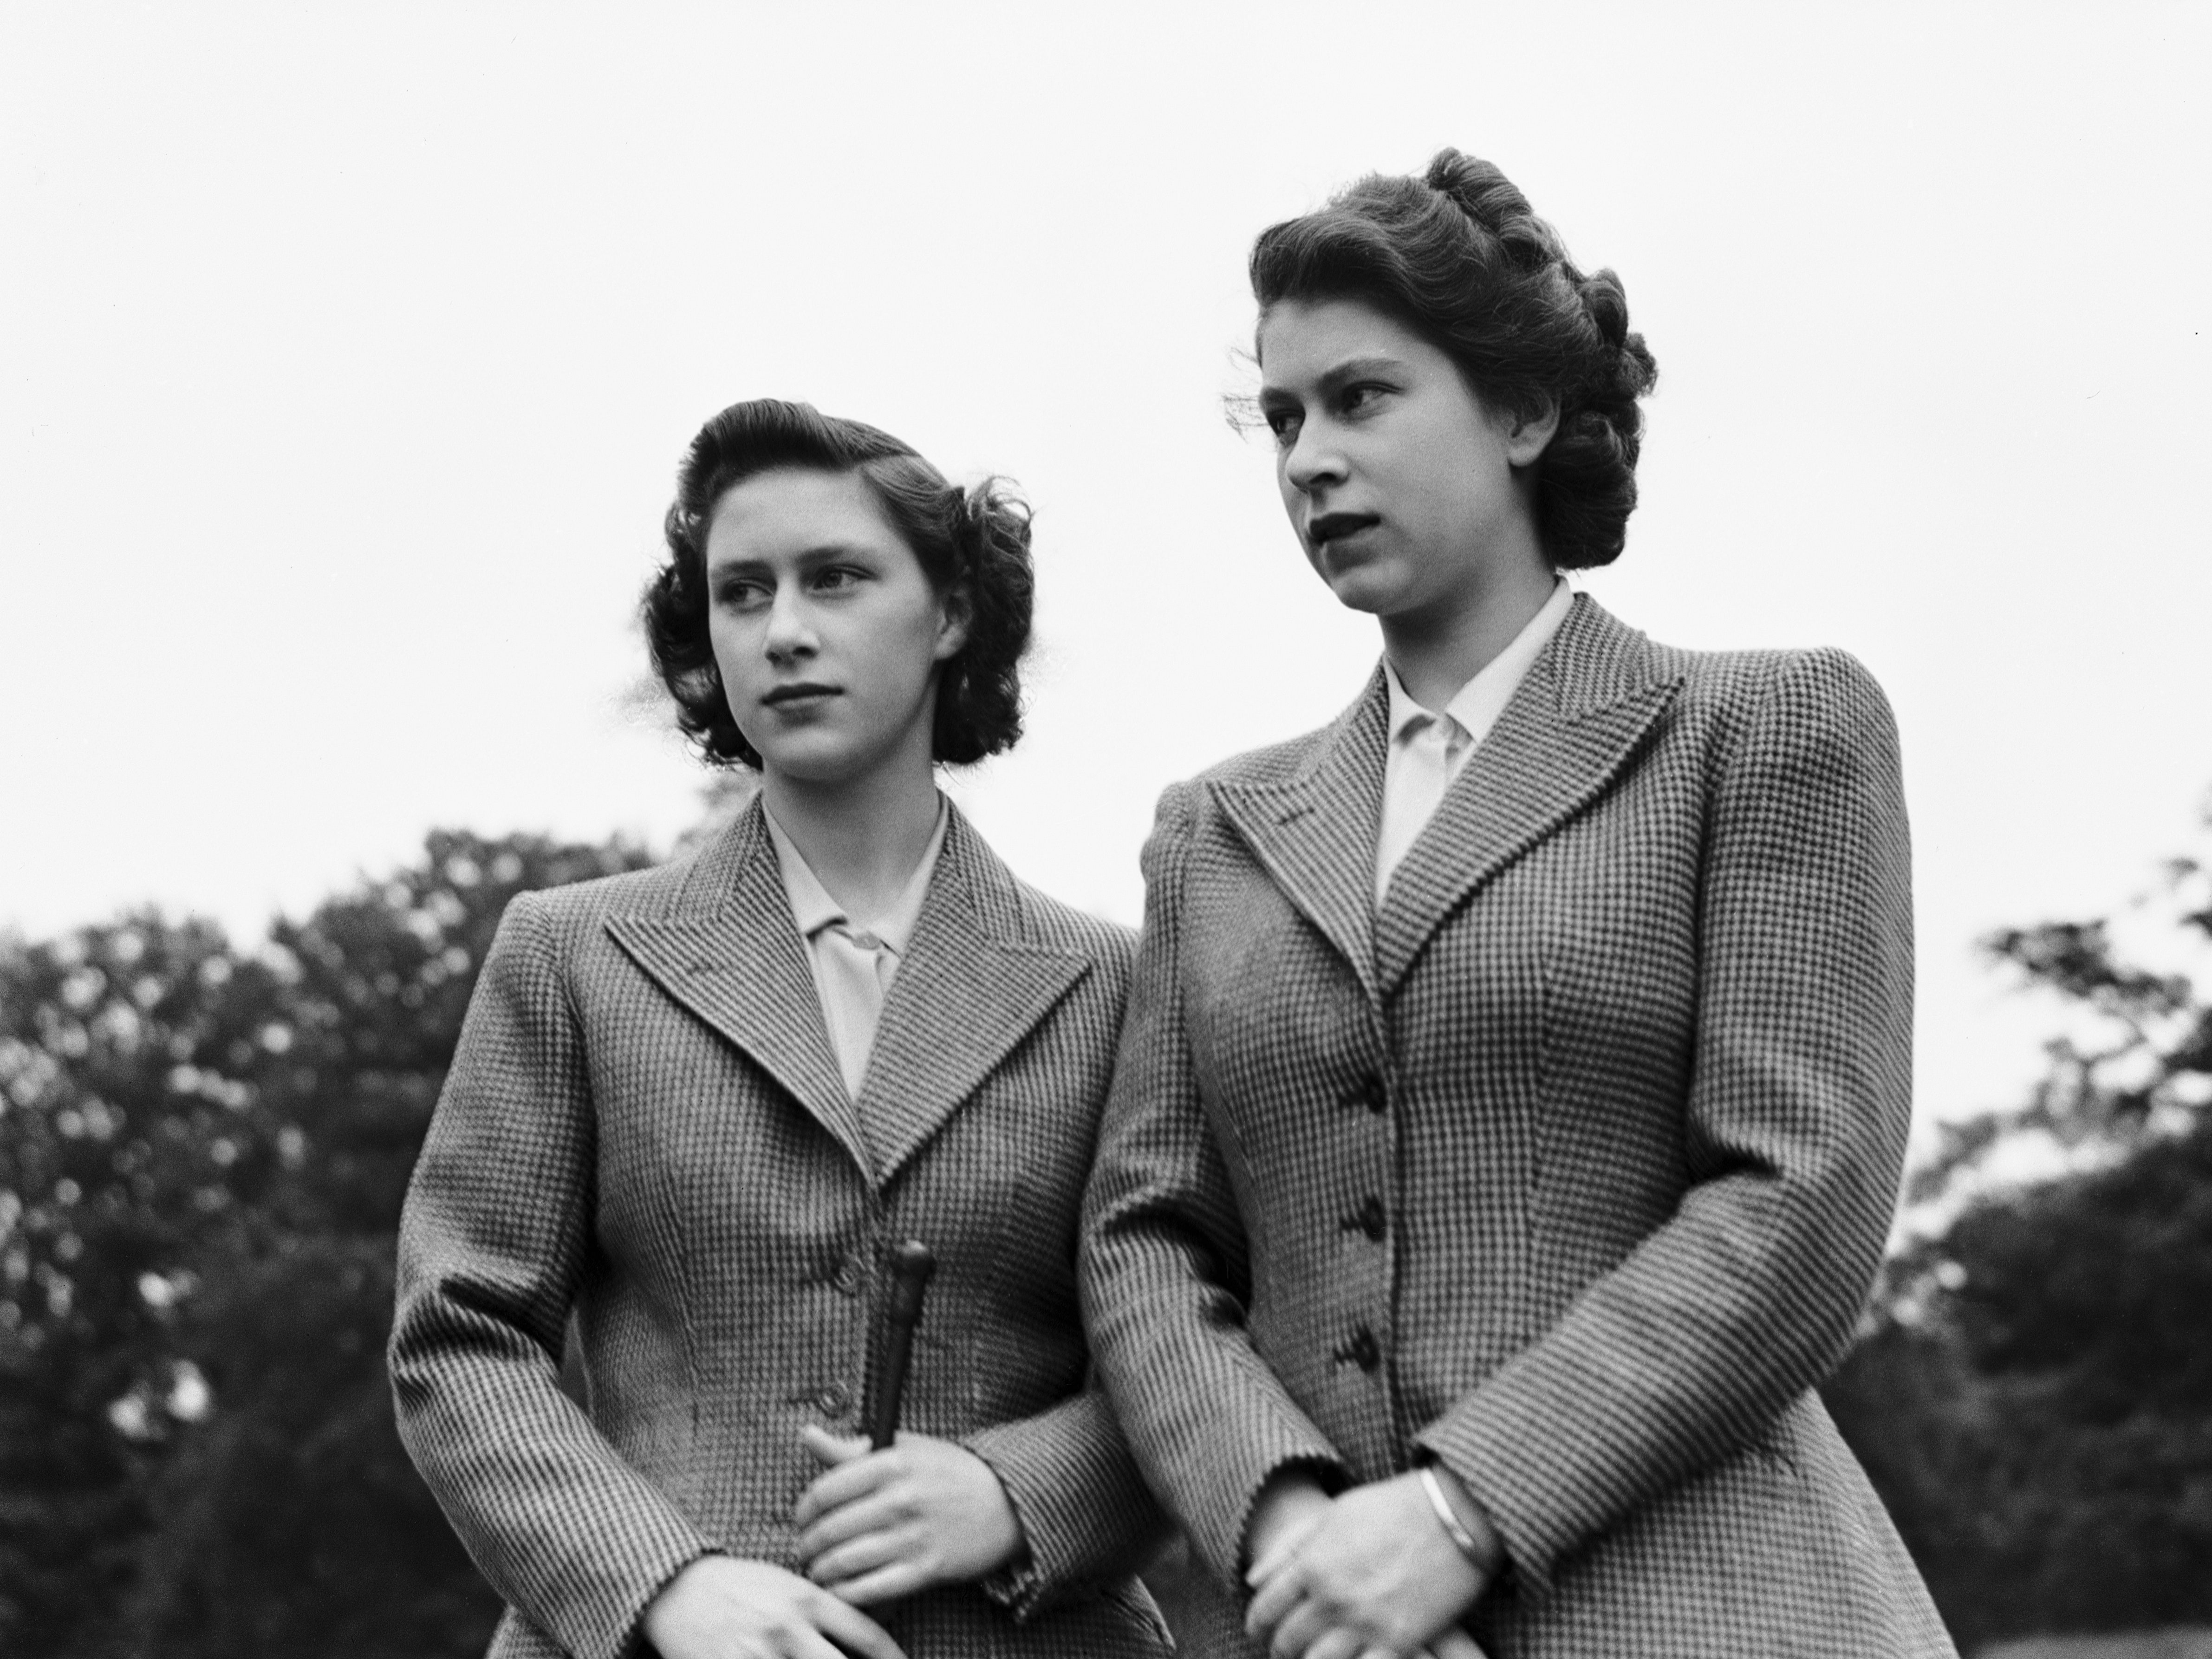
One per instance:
(814, 909)
(1477, 705)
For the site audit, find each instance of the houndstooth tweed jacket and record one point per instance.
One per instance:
(1570, 1165)
(645, 1124)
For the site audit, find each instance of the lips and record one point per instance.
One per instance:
(1335, 527)
(804, 692)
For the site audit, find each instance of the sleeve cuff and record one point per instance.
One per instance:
(1532, 1531)
(1328, 1474)
(1082, 1519)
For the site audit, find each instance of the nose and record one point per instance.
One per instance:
(1312, 461)
(789, 635)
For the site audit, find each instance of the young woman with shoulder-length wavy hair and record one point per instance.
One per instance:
(1510, 1111)
(973, 543)
(696, 1110)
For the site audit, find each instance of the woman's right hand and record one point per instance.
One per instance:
(719, 1608)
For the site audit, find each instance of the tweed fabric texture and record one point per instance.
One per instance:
(645, 1127)
(1569, 1165)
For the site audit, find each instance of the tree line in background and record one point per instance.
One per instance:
(2032, 1394)
(204, 1148)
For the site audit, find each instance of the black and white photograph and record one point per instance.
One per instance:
(973, 831)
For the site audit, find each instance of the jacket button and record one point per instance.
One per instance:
(1373, 1095)
(833, 1401)
(1363, 1351)
(845, 1277)
(1371, 1218)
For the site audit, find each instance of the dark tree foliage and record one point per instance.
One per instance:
(2034, 1398)
(202, 1156)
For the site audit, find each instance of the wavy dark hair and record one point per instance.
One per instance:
(1458, 256)
(973, 543)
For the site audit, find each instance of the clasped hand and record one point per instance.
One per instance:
(874, 1525)
(1369, 1575)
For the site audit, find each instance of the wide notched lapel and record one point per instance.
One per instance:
(1314, 835)
(732, 957)
(969, 989)
(1576, 719)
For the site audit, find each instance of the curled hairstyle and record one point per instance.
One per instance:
(973, 543)
(1458, 256)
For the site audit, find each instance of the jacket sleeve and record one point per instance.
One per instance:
(1165, 1269)
(1799, 1101)
(491, 1244)
(1086, 1514)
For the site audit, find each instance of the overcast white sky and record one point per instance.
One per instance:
(346, 354)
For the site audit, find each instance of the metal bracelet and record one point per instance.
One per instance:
(1448, 1518)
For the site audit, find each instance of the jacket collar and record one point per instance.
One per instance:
(971, 987)
(1314, 833)
(729, 952)
(1585, 704)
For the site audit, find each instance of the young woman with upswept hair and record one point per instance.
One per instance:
(1511, 1112)
(699, 1107)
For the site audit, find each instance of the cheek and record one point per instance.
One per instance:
(725, 637)
(1439, 486)
(896, 652)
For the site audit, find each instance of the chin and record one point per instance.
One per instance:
(1375, 579)
(808, 757)
(1376, 592)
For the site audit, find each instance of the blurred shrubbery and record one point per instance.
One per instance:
(2033, 1397)
(202, 1149)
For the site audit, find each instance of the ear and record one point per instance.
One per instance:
(1527, 437)
(955, 612)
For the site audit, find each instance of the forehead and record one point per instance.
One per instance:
(1299, 341)
(793, 511)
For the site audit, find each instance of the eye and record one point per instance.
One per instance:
(741, 593)
(1283, 422)
(1361, 395)
(838, 578)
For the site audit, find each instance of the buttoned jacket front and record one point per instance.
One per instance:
(645, 1124)
(1569, 1165)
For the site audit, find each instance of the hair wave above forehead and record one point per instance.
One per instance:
(1459, 256)
(769, 434)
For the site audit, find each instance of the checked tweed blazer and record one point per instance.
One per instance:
(1569, 1167)
(645, 1124)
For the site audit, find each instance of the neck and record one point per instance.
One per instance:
(1439, 648)
(862, 837)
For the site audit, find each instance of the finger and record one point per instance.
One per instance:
(832, 1449)
(878, 1512)
(1341, 1643)
(845, 1483)
(801, 1643)
(865, 1553)
(885, 1583)
(1456, 1644)
(1276, 1597)
(851, 1629)
(1282, 1548)
(1305, 1625)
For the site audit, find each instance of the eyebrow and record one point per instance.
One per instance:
(1350, 369)
(820, 553)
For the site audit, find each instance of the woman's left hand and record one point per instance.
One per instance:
(877, 1525)
(1377, 1572)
